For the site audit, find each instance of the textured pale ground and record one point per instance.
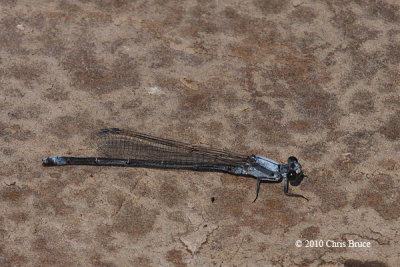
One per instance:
(315, 79)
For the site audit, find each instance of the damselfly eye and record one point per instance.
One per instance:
(292, 159)
(298, 180)
(291, 175)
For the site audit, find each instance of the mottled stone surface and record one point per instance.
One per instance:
(315, 79)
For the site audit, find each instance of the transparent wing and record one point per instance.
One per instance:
(125, 144)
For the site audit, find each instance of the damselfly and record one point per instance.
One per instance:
(126, 148)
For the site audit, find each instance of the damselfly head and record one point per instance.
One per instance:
(295, 174)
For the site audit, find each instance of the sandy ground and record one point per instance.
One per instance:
(314, 79)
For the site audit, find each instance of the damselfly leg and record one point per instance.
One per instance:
(286, 190)
(257, 189)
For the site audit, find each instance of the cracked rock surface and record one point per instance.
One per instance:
(315, 79)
